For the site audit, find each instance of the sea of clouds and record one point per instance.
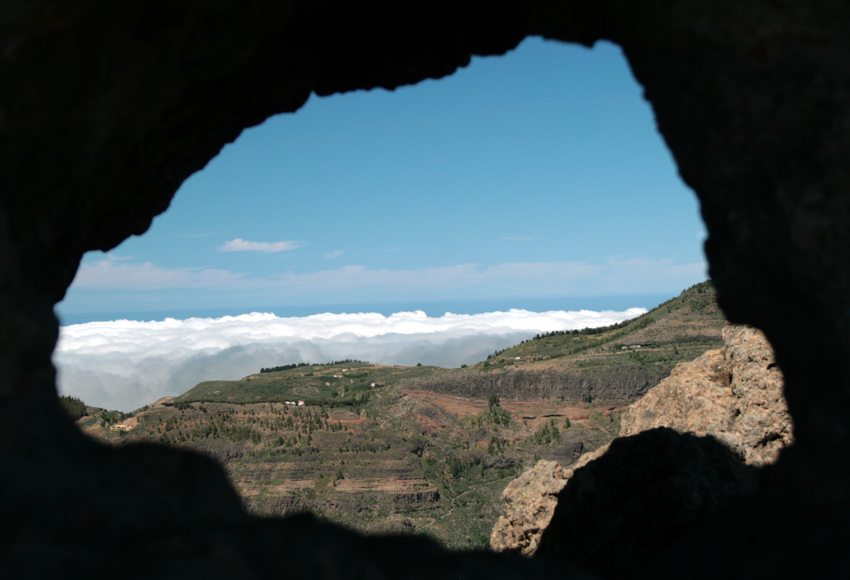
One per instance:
(125, 364)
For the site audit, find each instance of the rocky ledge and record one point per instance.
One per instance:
(726, 408)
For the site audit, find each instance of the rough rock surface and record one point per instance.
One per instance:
(530, 502)
(734, 394)
(106, 108)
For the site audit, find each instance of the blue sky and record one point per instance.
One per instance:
(535, 175)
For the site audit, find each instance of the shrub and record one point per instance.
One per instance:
(546, 434)
(495, 413)
(73, 406)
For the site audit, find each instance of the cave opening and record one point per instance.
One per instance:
(106, 111)
(535, 180)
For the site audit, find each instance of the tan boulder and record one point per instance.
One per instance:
(733, 394)
(530, 501)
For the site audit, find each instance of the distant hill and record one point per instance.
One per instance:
(618, 362)
(339, 385)
(421, 449)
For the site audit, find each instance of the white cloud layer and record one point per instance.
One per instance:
(240, 245)
(126, 364)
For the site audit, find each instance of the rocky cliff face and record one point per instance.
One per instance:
(613, 383)
(733, 394)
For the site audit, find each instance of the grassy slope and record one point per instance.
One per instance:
(373, 457)
(619, 362)
(316, 385)
(677, 330)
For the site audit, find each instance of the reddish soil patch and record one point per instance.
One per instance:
(450, 404)
(533, 412)
(387, 484)
(349, 421)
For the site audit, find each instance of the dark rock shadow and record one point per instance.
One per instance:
(621, 511)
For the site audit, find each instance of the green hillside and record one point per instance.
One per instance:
(688, 322)
(342, 384)
(618, 362)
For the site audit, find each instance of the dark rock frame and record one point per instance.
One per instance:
(106, 107)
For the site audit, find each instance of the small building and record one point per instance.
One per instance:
(127, 425)
(300, 403)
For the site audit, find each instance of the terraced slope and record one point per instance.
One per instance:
(403, 461)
